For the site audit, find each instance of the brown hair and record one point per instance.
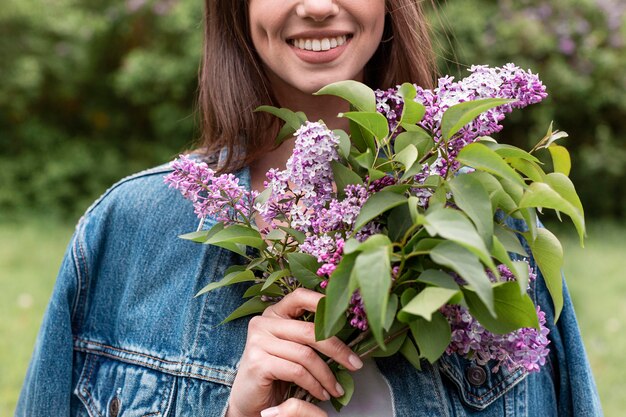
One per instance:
(232, 82)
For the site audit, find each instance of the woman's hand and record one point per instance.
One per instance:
(279, 350)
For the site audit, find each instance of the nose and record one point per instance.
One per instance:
(317, 10)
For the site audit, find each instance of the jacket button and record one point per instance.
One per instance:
(476, 375)
(114, 407)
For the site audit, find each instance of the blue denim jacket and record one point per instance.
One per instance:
(123, 334)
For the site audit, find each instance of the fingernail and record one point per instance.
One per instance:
(270, 412)
(339, 389)
(355, 361)
(326, 395)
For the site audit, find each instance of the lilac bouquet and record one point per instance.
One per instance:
(404, 224)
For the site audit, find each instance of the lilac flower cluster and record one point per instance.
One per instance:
(309, 166)
(526, 347)
(219, 196)
(307, 179)
(507, 82)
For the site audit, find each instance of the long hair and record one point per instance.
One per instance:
(232, 82)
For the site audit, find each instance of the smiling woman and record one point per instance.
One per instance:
(278, 30)
(123, 334)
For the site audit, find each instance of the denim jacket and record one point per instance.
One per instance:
(123, 334)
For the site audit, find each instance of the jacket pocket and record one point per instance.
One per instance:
(478, 386)
(111, 388)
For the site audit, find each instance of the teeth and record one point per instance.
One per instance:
(317, 45)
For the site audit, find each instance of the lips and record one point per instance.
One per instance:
(319, 49)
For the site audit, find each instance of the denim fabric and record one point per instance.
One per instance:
(123, 334)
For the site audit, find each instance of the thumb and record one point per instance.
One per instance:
(294, 408)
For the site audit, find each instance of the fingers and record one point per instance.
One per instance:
(302, 358)
(294, 304)
(303, 333)
(294, 408)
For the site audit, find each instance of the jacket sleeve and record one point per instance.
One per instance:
(47, 385)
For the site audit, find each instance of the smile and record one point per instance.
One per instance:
(317, 45)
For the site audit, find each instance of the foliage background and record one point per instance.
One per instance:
(93, 90)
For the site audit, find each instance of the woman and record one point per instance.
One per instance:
(123, 334)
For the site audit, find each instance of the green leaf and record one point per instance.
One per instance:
(290, 117)
(465, 263)
(432, 337)
(357, 94)
(274, 276)
(499, 252)
(429, 300)
(372, 271)
(237, 234)
(275, 234)
(377, 204)
(560, 159)
(296, 234)
(530, 169)
(343, 177)
(513, 310)
(202, 236)
(399, 222)
(373, 242)
(453, 225)
(373, 122)
(304, 268)
(559, 195)
(470, 195)
(256, 289)
(341, 286)
(347, 383)
(461, 114)
(393, 346)
(392, 308)
(409, 351)
(510, 151)
(510, 241)
(530, 217)
(366, 159)
(407, 156)
(231, 278)
(412, 111)
(285, 132)
(344, 143)
(479, 156)
(438, 278)
(320, 313)
(252, 306)
(499, 197)
(418, 137)
(548, 254)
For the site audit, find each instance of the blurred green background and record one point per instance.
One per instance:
(92, 90)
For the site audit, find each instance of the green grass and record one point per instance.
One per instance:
(30, 255)
(594, 276)
(31, 252)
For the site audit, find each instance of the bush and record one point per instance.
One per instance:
(91, 91)
(579, 49)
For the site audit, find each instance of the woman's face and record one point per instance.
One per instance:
(307, 44)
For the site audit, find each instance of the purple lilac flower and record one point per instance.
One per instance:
(309, 166)
(356, 312)
(219, 196)
(525, 347)
(509, 82)
(308, 178)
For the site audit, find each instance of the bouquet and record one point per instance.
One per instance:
(404, 223)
